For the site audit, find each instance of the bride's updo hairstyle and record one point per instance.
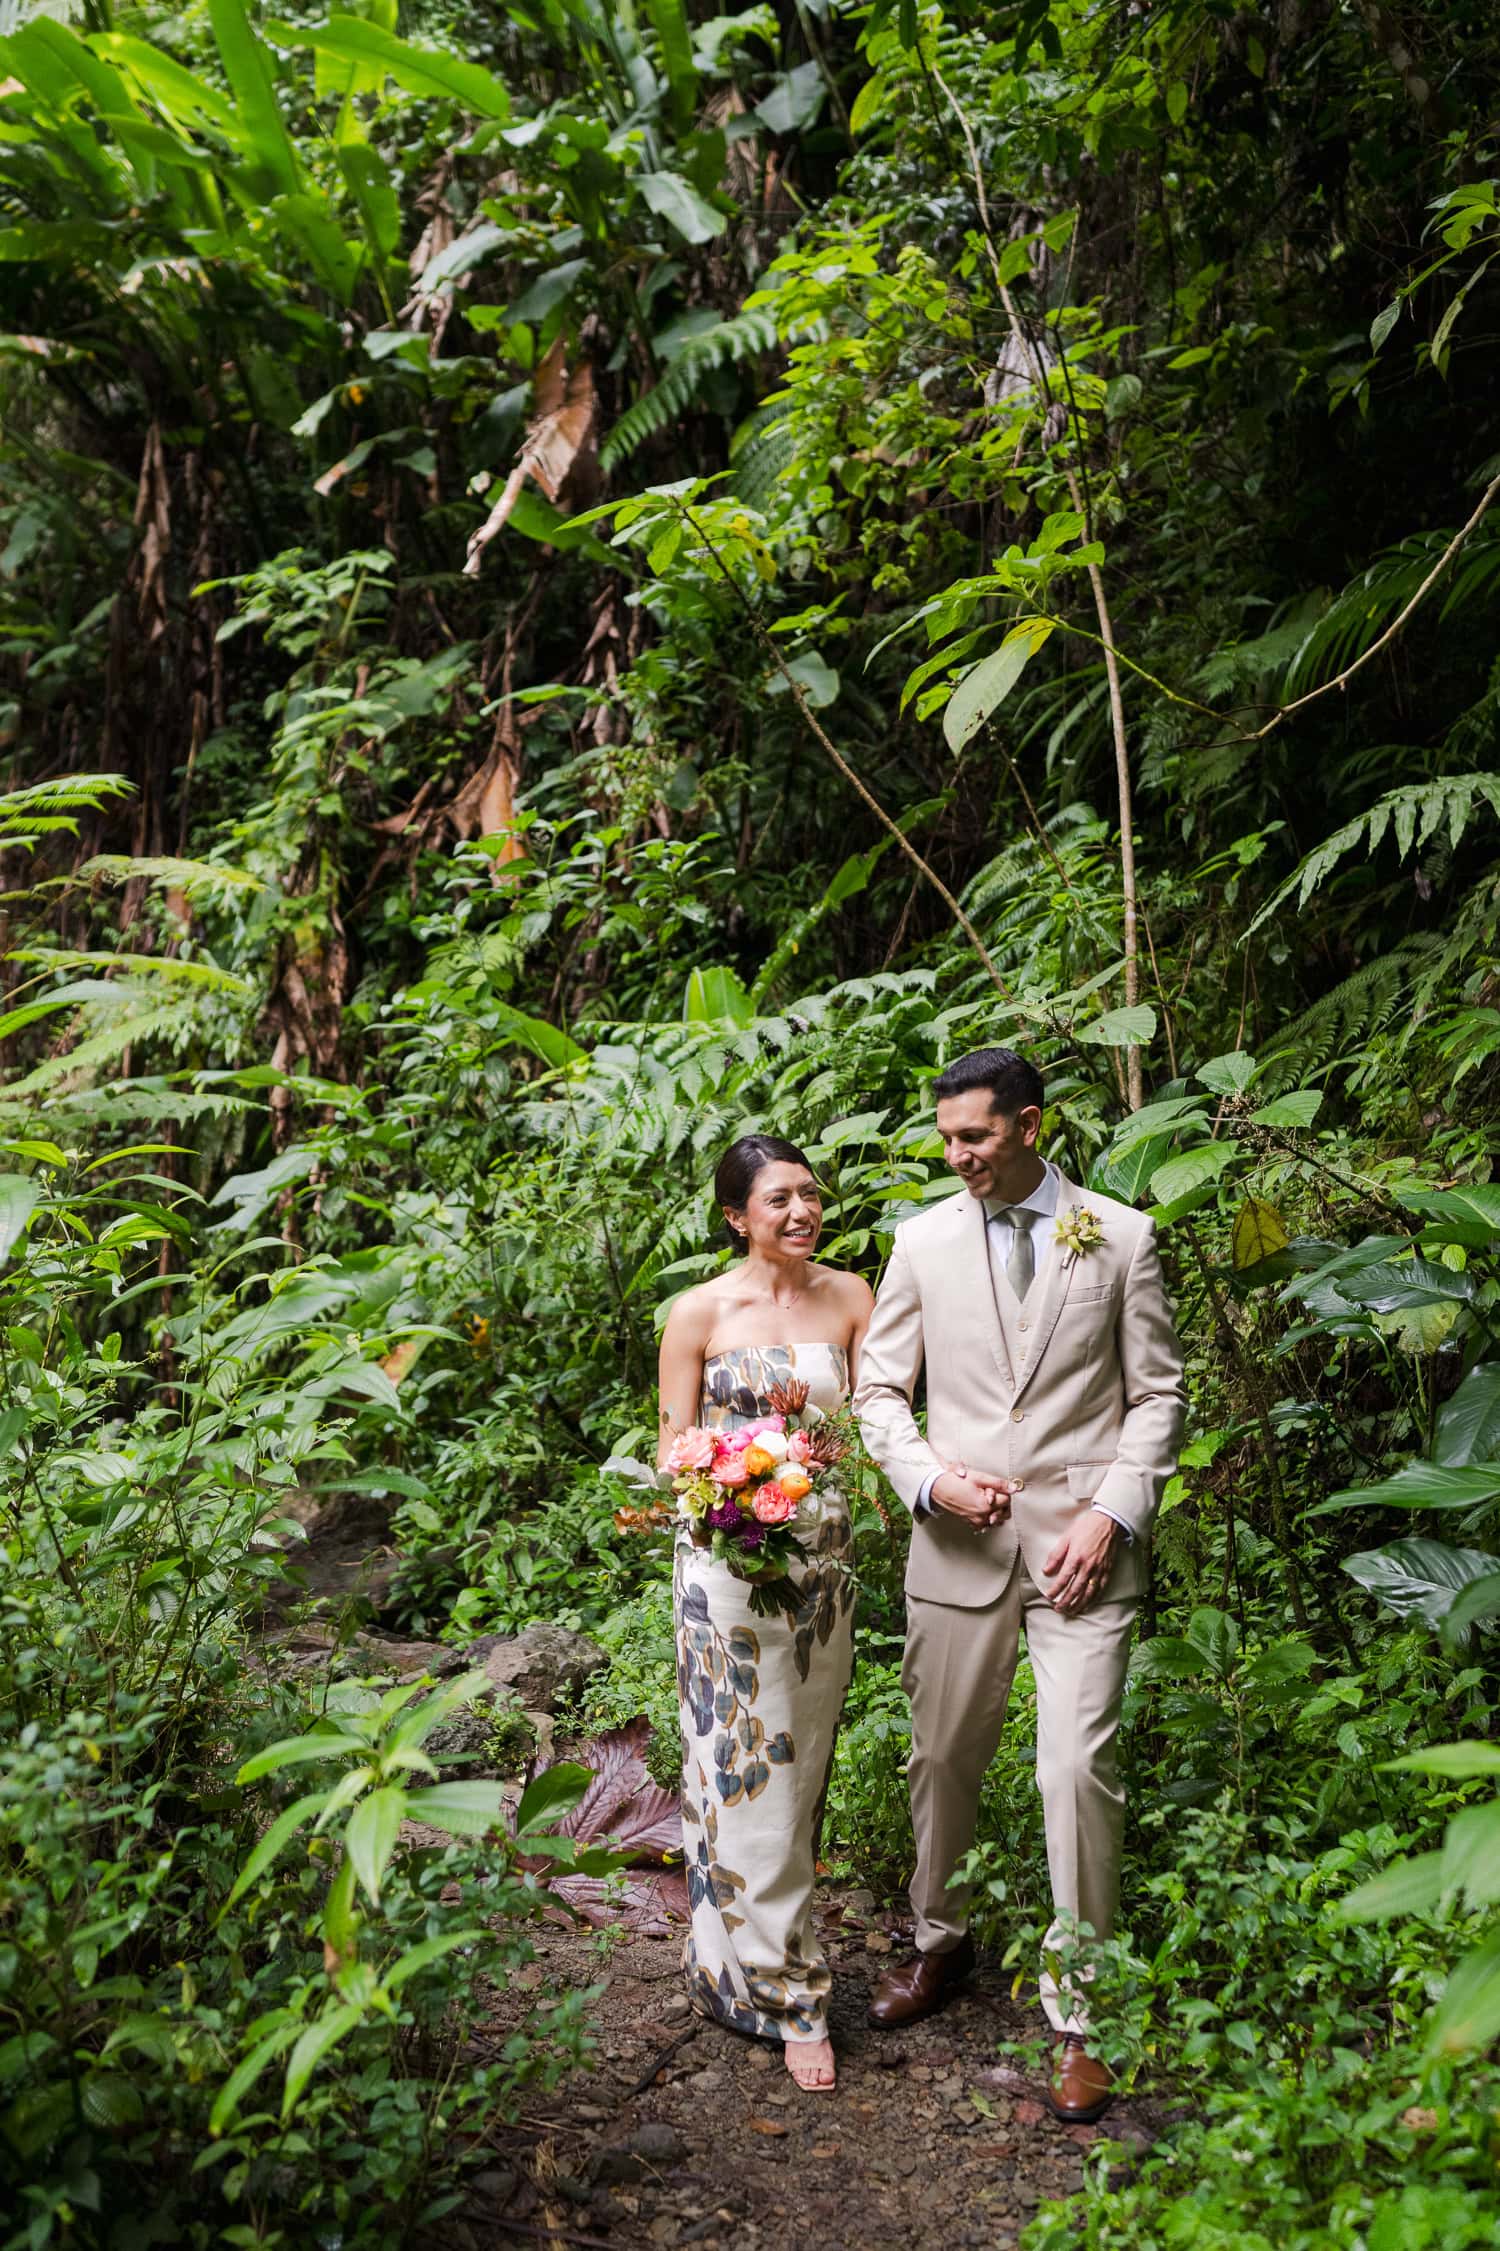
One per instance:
(737, 1168)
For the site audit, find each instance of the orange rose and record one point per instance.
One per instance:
(794, 1481)
(757, 1461)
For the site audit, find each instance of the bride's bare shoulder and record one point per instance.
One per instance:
(693, 1312)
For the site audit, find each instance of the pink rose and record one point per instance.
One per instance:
(730, 1471)
(799, 1447)
(766, 1422)
(690, 1449)
(732, 1441)
(773, 1504)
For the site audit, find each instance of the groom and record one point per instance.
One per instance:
(1039, 1313)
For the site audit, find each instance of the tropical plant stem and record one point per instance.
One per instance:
(825, 743)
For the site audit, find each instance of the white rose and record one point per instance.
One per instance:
(772, 1442)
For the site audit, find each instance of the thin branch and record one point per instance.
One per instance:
(825, 742)
(1083, 502)
(1342, 679)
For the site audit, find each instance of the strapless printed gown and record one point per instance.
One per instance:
(760, 1700)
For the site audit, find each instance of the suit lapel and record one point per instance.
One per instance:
(976, 1258)
(1056, 1282)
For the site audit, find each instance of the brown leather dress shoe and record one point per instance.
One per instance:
(1082, 2087)
(915, 1988)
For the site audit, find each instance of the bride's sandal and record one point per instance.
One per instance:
(810, 2063)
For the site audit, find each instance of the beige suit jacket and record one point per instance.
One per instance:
(1093, 1411)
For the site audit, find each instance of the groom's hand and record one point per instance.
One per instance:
(972, 1496)
(1081, 1562)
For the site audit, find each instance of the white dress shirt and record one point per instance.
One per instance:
(1040, 1208)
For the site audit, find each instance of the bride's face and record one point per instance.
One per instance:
(783, 1216)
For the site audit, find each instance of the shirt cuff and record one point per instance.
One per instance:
(922, 1505)
(1124, 1527)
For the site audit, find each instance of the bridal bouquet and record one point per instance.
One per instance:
(751, 1493)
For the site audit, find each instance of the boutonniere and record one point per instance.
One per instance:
(1079, 1230)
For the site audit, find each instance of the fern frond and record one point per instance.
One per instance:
(1412, 815)
(730, 343)
(1358, 616)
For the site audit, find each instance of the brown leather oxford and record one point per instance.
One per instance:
(916, 1988)
(1082, 2087)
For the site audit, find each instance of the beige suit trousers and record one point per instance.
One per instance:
(958, 1668)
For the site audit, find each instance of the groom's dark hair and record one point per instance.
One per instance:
(1013, 1083)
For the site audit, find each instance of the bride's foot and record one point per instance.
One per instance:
(810, 2062)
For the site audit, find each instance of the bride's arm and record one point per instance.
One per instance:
(862, 1305)
(680, 1370)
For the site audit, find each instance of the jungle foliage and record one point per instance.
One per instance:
(578, 576)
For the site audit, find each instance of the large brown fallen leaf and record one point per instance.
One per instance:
(622, 1803)
(624, 1808)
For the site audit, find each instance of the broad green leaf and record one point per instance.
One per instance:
(1194, 1169)
(296, 1750)
(671, 198)
(19, 1197)
(985, 686)
(556, 1790)
(464, 1809)
(1474, 1210)
(420, 70)
(1295, 1111)
(1258, 1233)
(1407, 1887)
(1121, 1027)
(1419, 1578)
(1478, 1602)
(818, 681)
(245, 2074)
(674, 35)
(543, 1039)
(265, 140)
(1468, 2015)
(1384, 321)
(715, 996)
(1168, 1657)
(370, 1838)
(1456, 1762)
(1398, 1283)
(282, 1829)
(1421, 1485)
(111, 2100)
(430, 1950)
(313, 2046)
(1228, 1074)
(1468, 1425)
(1471, 1854)
(1177, 101)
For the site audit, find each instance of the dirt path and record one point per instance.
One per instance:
(684, 2133)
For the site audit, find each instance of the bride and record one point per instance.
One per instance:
(761, 1692)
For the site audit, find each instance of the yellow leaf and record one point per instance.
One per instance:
(1258, 1233)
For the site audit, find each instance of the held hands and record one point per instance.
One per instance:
(1081, 1561)
(979, 1498)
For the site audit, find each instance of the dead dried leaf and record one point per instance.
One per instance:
(559, 432)
(765, 2126)
(1027, 2113)
(622, 1803)
(397, 1363)
(1419, 2120)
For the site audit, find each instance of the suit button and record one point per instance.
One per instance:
(1025, 1325)
(1018, 1484)
(1016, 1415)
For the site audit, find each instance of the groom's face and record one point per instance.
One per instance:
(985, 1146)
